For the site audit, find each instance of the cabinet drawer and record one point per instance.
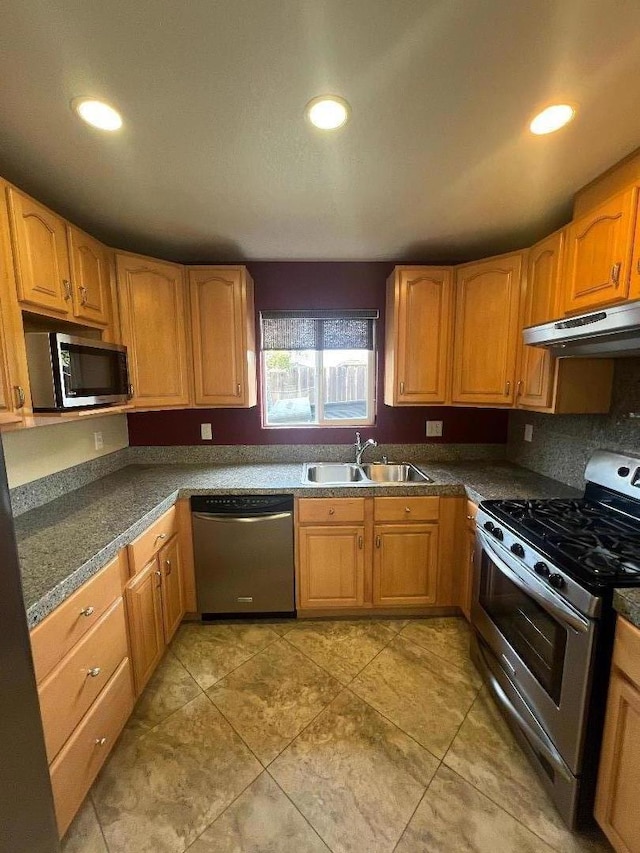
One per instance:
(406, 509)
(142, 549)
(330, 510)
(626, 650)
(77, 765)
(61, 630)
(71, 688)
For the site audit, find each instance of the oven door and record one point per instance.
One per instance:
(544, 646)
(90, 373)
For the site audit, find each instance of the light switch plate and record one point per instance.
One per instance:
(434, 429)
(528, 432)
(205, 432)
(98, 441)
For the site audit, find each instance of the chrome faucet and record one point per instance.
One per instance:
(360, 448)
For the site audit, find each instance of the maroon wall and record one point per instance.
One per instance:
(319, 285)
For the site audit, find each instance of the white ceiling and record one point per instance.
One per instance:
(216, 162)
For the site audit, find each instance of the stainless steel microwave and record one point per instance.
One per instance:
(66, 372)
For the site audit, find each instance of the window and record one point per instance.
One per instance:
(318, 368)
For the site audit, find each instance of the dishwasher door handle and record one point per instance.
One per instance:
(234, 519)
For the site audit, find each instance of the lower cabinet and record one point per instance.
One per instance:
(155, 607)
(619, 777)
(468, 559)
(389, 552)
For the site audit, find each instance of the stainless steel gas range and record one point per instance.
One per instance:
(543, 620)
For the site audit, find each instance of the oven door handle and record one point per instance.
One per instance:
(545, 746)
(561, 611)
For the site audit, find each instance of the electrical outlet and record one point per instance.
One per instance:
(434, 429)
(205, 432)
(98, 440)
(528, 432)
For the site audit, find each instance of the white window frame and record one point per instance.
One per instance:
(321, 423)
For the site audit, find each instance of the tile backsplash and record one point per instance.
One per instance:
(562, 444)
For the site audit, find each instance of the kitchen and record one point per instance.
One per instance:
(374, 695)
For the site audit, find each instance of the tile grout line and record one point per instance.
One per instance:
(303, 816)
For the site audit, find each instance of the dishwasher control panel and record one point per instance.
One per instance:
(241, 504)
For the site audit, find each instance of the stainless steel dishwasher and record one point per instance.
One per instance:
(243, 548)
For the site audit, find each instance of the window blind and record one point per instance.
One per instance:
(317, 330)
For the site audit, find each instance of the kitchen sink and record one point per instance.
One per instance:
(402, 472)
(369, 474)
(333, 473)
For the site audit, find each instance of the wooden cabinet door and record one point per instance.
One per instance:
(540, 305)
(170, 558)
(331, 566)
(143, 596)
(40, 254)
(619, 778)
(634, 278)
(152, 316)
(223, 323)
(418, 335)
(89, 277)
(405, 564)
(486, 331)
(599, 254)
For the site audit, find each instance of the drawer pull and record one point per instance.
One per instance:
(332, 511)
(161, 536)
(407, 509)
(94, 672)
(88, 611)
(100, 741)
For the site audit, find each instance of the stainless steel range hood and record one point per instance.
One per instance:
(608, 332)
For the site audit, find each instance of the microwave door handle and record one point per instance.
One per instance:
(555, 607)
(546, 748)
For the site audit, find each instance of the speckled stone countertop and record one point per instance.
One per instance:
(66, 541)
(627, 603)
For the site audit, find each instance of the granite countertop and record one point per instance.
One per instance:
(627, 603)
(66, 541)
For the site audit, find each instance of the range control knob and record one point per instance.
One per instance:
(488, 525)
(556, 581)
(541, 569)
(498, 534)
(517, 549)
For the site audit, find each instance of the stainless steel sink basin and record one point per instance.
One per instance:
(402, 472)
(350, 474)
(333, 473)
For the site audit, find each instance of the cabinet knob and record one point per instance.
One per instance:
(100, 741)
(88, 611)
(94, 672)
(615, 273)
(20, 398)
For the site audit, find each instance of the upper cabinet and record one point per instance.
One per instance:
(599, 250)
(152, 300)
(89, 277)
(40, 254)
(223, 336)
(418, 335)
(486, 331)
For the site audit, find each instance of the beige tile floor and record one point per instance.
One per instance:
(319, 736)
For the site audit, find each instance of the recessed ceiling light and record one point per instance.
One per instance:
(552, 119)
(328, 112)
(97, 113)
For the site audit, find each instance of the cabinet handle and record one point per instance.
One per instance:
(67, 289)
(88, 611)
(402, 387)
(332, 511)
(360, 542)
(239, 390)
(100, 741)
(507, 388)
(169, 567)
(130, 391)
(83, 294)
(615, 273)
(160, 536)
(94, 672)
(519, 388)
(407, 509)
(19, 396)
(638, 266)
(470, 518)
(159, 576)
(378, 541)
